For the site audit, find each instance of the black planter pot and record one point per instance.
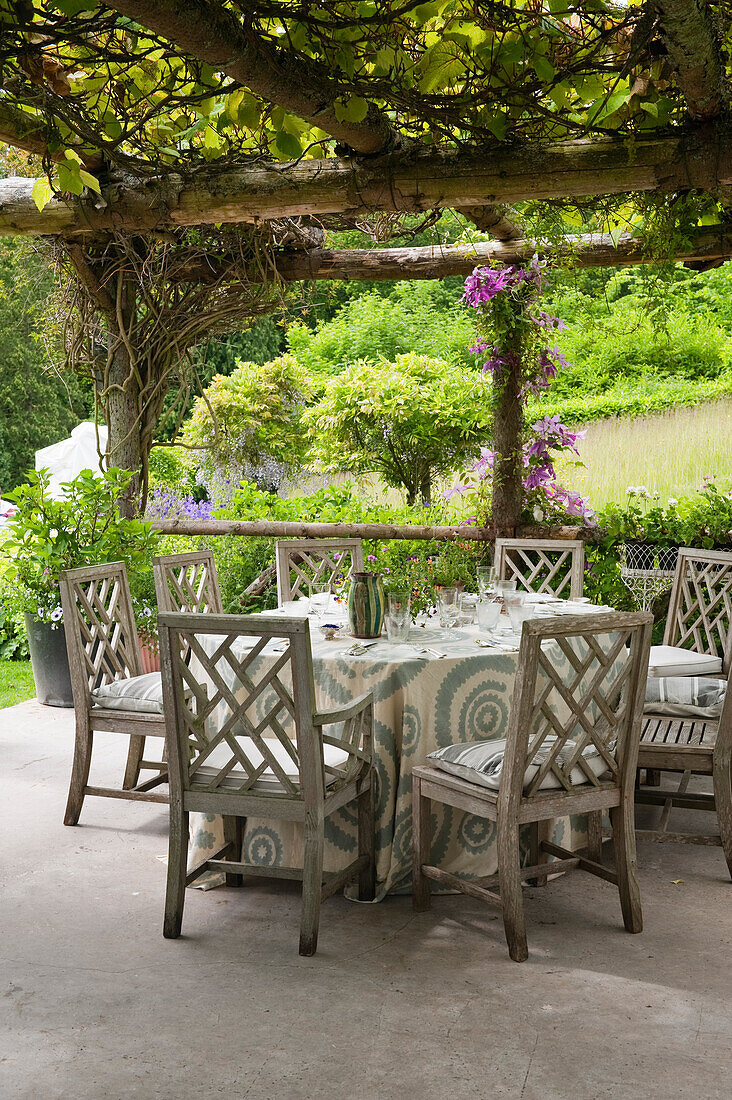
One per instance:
(47, 645)
(639, 555)
(667, 556)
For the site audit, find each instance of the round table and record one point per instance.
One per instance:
(421, 703)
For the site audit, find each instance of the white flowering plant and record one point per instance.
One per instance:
(46, 536)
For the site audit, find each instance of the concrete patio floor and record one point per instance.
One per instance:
(95, 1003)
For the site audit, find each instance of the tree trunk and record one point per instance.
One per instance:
(425, 490)
(508, 441)
(122, 405)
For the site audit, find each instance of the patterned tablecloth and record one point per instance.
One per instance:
(419, 705)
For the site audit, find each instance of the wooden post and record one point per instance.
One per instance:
(508, 436)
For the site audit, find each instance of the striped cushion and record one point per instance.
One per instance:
(685, 696)
(140, 694)
(482, 762)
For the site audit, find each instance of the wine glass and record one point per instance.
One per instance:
(319, 598)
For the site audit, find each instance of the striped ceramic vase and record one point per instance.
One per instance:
(366, 605)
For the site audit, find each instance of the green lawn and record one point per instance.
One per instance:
(16, 682)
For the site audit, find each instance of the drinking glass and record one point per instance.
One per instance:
(319, 598)
(398, 617)
(506, 586)
(486, 579)
(448, 609)
(489, 612)
(518, 610)
(468, 605)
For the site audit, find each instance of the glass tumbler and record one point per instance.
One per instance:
(489, 612)
(448, 609)
(398, 617)
(518, 610)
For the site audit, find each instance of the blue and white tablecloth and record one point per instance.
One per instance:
(419, 705)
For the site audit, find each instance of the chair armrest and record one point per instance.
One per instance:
(342, 714)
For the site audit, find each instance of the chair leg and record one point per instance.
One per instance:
(367, 843)
(535, 853)
(723, 801)
(421, 840)
(177, 865)
(234, 835)
(312, 886)
(626, 866)
(653, 777)
(594, 836)
(132, 768)
(79, 772)
(509, 866)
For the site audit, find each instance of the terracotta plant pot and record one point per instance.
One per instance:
(150, 657)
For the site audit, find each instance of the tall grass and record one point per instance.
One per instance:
(669, 453)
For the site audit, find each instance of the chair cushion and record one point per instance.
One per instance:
(140, 694)
(268, 780)
(671, 660)
(685, 696)
(482, 762)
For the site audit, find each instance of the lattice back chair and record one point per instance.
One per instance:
(700, 620)
(571, 748)
(245, 740)
(554, 566)
(188, 582)
(302, 563)
(111, 693)
(700, 608)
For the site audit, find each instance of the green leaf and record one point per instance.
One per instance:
(287, 145)
(544, 69)
(353, 109)
(42, 192)
(90, 181)
(73, 7)
(498, 125)
(69, 179)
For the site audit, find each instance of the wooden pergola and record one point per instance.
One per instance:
(371, 166)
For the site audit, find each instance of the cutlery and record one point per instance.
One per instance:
(359, 648)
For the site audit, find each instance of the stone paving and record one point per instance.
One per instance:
(94, 1003)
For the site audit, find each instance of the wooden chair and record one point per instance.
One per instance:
(700, 620)
(302, 563)
(187, 582)
(559, 717)
(556, 566)
(245, 740)
(104, 650)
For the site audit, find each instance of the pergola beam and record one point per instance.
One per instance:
(707, 246)
(693, 46)
(695, 158)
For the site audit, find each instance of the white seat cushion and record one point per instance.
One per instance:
(685, 696)
(482, 762)
(139, 694)
(268, 780)
(671, 660)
